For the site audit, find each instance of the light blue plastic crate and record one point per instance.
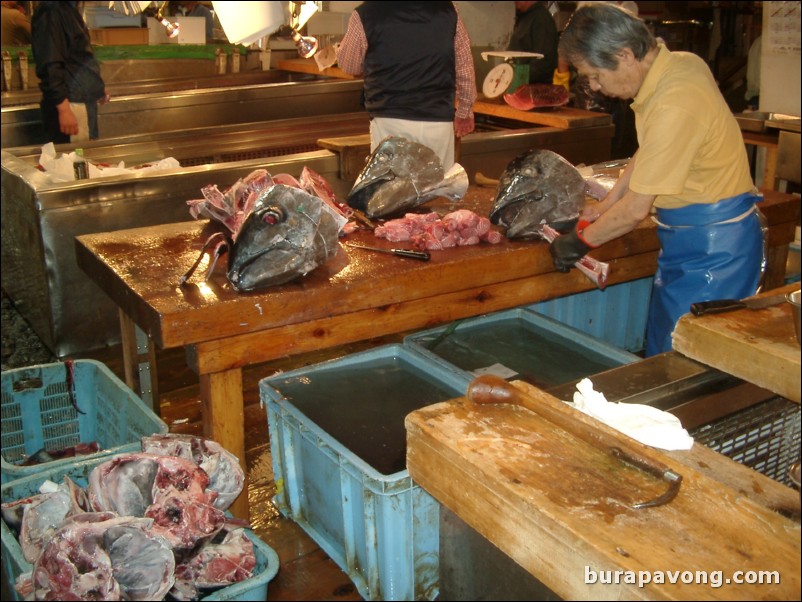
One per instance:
(518, 344)
(38, 413)
(616, 315)
(338, 444)
(14, 563)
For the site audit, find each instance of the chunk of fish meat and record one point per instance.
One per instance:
(216, 564)
(226, 476)
(115, 559)
(170, 490)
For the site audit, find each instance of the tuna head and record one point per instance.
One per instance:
(537, 187)
(400, 175)
(287, 235)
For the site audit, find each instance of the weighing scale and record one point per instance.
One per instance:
(507, 76)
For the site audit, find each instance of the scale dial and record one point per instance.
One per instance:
(498, 80)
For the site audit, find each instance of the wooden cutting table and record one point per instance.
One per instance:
(562, 508)
(758, 346)
(356, 296)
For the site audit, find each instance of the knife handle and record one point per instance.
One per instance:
(716, 307)
(419, 255)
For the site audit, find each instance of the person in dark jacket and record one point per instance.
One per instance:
(417, 64)
(535, 31)
(69, 75)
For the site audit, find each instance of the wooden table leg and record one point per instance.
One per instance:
(770, 170)
(139, 362)
(224, 422)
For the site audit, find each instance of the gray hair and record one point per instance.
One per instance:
(597, 32)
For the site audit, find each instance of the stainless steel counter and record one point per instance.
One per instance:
(160, 111)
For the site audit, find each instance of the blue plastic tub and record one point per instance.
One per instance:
(39, 412)
(338, 444)
(518, 344)
(14, 563)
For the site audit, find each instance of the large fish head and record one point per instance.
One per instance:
(537, 187)
(287, 235)
(394, 178)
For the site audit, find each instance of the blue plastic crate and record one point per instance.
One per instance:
(38, 413)
(338, 444)
(518, 344)
(14, 563)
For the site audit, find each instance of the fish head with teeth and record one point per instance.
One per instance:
(538, 187)
(401, 174)
(287, 235)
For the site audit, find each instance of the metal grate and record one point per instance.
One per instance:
(764, 437)
(247, 155)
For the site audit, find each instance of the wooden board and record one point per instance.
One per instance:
(758, 346)
(558, 117)
(310, 66)
(560, 507)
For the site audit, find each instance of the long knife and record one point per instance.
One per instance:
(408, 253)
(721, 305)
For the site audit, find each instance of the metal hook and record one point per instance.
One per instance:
(674, 479)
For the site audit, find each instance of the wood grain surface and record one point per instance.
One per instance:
(561, 507)
(757, 345)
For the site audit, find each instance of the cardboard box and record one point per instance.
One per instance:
(119, 36)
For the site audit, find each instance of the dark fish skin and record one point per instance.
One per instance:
(287, 235)
(537, 187)
(401, 174)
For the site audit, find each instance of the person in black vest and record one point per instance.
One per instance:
(69, 74)
(416, 61)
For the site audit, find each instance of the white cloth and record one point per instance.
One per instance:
(79, 110)
(643, 423)
(60, 168)
(437, 135)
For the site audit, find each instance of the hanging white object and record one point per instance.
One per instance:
(246, 22)
(129, 8)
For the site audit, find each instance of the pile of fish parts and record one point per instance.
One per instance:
(276, 228)
(430, 232)
(148, 526)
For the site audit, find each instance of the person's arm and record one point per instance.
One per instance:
(621, 186)
(466, 81)
(67, 122)
(619, 213)
(354, 45)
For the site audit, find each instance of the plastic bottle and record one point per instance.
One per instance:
(79, 166)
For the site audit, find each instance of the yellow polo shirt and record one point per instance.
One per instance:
(691, 150)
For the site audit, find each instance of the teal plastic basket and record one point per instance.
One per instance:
(41, 409)
(14, 563)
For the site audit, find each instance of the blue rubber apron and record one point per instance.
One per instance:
(709, 251)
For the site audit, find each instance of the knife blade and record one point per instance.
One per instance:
(721, 305)
(408, 253)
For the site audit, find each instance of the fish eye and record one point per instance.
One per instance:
(273, 215)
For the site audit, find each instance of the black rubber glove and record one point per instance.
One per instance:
(569, 248)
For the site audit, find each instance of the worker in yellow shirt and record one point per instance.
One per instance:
(691, 168)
